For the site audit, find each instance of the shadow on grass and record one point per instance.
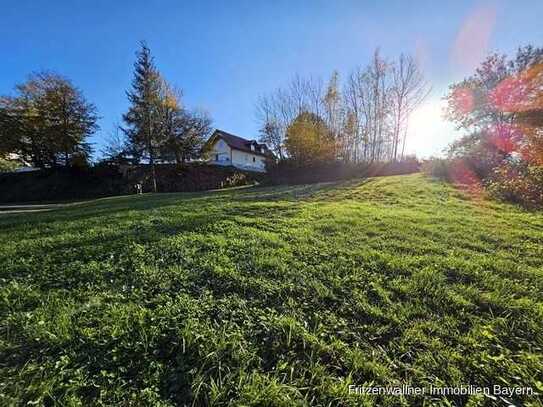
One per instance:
(147, 202)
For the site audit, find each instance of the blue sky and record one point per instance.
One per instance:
(223, 54)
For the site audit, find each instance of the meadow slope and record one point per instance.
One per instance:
(271, 296)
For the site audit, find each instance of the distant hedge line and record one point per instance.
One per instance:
(58, 184)
(61, 184)
(288, 172)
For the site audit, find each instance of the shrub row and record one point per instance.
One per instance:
(289, 172)
(512, 181)
(107, 180)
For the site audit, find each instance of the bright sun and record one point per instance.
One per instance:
(429, 133)
(426, 119)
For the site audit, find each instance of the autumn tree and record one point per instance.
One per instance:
(500, 104)
(272, 135)
(367, 97)
(333, 110)
(367, 117)
(186, 138)
(47, 122)
(309, 140)
(183, 131)
(278, 110)
(500, 107)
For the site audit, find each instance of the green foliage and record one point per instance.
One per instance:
(519, 183)
(83, 182)
(47, 122)
(501, 106)
(309, 141)
(289, 171)
(8, 165)
(478, 152)
(271, 297)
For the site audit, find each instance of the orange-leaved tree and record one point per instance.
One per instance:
(309, 141)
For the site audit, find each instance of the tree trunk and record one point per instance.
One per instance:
(152, 157)
(396, 140)
(403, 144)
(153, 172)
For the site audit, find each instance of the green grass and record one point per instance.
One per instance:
(271, 296)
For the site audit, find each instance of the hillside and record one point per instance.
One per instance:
(271, 296)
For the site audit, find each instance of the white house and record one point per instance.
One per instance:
(226, 149)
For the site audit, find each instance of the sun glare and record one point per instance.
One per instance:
(426, 118)
(426, 126)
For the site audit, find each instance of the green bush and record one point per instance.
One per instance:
(512, 181)
(519, 183)
(7, 165)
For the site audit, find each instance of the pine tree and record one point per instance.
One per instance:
(143, 121)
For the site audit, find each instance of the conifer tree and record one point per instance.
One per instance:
(143, 119)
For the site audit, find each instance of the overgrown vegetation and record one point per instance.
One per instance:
(271, 296)
(501, 109)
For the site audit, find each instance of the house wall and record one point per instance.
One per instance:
(243, 159)
(222, 151)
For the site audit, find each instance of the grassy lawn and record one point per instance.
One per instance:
(271, 296)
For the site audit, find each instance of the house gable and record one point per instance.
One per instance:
(227, 149)
(220, 150)
(241, 144)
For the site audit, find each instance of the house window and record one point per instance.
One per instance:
(216, 157)
(254, 159)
